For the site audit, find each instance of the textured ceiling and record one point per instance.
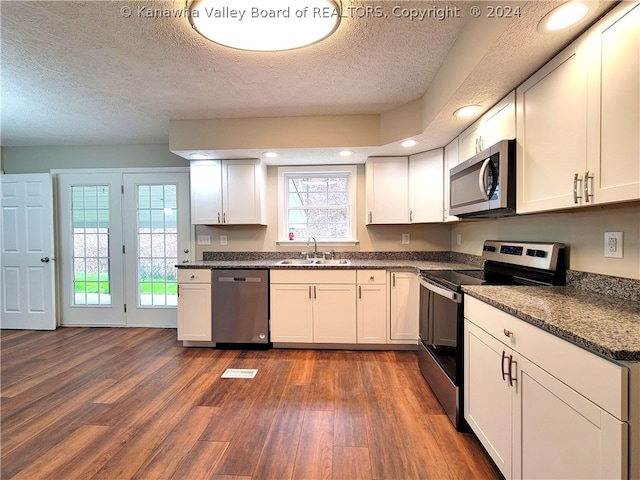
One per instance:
(80, 73)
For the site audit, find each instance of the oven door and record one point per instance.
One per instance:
(440, 325)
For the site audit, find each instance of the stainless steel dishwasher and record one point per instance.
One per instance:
(240, 305)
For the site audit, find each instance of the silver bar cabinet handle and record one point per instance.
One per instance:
(586, 186)
(576, 179)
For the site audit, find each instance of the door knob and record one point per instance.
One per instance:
(45, 260)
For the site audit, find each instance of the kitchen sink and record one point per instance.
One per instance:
(313, 261)
(296, 261)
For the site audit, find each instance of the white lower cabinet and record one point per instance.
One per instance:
(194, 304)
(404, 303)
(542, 407)
(372, 306)
(310, 306)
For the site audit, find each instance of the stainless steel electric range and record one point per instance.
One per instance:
(441, 346)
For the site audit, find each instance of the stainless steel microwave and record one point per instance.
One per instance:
(485, 185)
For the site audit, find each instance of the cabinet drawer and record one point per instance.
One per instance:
(194, 275)
(602, 381)
(313, 276)
(378, 277)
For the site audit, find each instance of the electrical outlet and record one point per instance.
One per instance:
(613, 244)
(204, 239)
(223, 239)
(458, 239)
(406, 239)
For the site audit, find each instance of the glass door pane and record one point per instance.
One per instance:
(157, 245)
(90, 239)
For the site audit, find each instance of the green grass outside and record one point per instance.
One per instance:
(94, 284)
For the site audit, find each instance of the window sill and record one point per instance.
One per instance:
(329, 243)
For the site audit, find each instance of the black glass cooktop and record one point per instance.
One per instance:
(455, 278)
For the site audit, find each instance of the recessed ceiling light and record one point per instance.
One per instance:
(467, 111)
(270, 154)
(409, 143)
(265, 25)
(346, 153)
(564, 16)
(198, 156)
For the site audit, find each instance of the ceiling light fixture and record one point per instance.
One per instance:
(346, 153)
(409, 143)
(270, 154)
(564, 16)
(467, 111)
(265, 25)
(198, 156)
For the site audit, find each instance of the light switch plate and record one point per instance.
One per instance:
(613, 244)
(204, 239)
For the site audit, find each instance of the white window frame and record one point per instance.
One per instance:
(283, 232)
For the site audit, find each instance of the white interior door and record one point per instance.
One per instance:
(91, 243)
(157, 237)
(27, 287)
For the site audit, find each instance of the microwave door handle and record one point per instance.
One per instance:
(481, 179)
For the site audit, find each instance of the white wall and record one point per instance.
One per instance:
(582, 230)
(44, 159)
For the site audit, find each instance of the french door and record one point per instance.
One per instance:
(121, 235)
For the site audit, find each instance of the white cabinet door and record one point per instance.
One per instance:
(450, 161)
(488, 397)
(499, 123)
(206, 192)
(291, 313)
(372, 313)
(228, 192)
(552, 133)
(334, 314)
(561, 434)
(243, 190)
(194, 311)
(614, 107)
(387, 181)
(426, 187)
(404, 308)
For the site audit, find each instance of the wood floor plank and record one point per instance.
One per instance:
(351, 463)
(277, 458)
(201, 460)
(48, 465)
(162, 463)
(314, 457)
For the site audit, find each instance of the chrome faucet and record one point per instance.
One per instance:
(315, 246)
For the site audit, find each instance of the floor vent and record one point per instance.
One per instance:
(240, 373)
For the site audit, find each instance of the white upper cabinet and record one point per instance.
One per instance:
(499, 123)
(426, 187)
(552, 132)
(387, 180)
(229, 192)
(450, 161)
(614, 127)
(579, 120)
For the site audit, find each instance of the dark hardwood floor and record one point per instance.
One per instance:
(118, 403)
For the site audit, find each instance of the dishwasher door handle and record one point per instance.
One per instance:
(240, 279)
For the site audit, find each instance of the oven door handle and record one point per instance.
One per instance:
(448, 294)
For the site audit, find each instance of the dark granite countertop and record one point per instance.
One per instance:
(599, 323)
(355, 264)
